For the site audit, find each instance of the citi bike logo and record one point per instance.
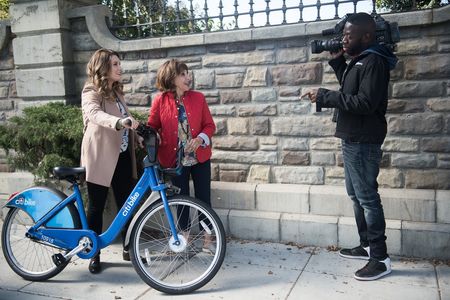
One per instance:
(25, 202)
(130, 204)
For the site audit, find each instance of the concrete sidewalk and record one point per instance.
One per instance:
(251, 270)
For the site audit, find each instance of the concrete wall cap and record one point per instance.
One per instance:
(282, 188)
(224, 185)
(255, 214)
(442, 195)
(407, 193)
(328, 189)
(391, 224)
(310, 218)
(441, 14)
(96, 22)
(425, 226)
(420, 194)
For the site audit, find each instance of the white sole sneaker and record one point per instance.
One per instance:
(386, 262)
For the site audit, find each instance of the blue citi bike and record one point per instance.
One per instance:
(44, 229)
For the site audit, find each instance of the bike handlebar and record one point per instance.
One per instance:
(151, 139)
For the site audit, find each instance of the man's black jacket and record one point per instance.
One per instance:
(361, 102)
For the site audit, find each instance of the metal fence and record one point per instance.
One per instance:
(134, 19)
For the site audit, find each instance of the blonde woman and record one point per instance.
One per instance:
(107, 150)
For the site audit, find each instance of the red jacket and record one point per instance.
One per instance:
(164, 118)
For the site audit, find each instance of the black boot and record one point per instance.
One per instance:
(126, 254)
(94, 265)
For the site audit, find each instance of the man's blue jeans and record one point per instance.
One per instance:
(362, 165)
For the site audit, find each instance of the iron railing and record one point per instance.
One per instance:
(134, 19)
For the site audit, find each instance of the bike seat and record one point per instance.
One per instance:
(68, 173)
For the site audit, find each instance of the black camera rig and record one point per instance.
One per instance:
(386, 34)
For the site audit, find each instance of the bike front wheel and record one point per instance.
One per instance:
(30, 259)
(178, 268)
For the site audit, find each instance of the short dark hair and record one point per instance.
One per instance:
(166, 74)
(365, 24)
(361, 19)
(364, 21)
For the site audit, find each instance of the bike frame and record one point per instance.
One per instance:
(70, 238)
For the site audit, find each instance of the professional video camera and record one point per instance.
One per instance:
(386, 34)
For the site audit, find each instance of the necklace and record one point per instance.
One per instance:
(179, 100)
(182, 118)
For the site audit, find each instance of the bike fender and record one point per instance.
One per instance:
(154, 196)
(37, 201)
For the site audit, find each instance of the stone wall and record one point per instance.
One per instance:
(252, 79)
(8, 95)
(9, 100)
(42, 50)
(281, 152)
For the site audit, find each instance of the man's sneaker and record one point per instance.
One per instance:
(357, 253)
(374, 269)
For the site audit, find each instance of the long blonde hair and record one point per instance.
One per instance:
(97, 70)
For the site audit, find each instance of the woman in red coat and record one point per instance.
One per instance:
(180, 114)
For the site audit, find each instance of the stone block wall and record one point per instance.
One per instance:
(8, 93)
(281, 152)
(9, 101)
(252, 79)
(42, 50)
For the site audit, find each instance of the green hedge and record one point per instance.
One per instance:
(44, 137)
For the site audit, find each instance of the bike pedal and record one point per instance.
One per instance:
(58, 259)
(177, 190)
(173, 190)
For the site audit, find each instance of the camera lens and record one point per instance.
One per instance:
(318, 46)
(332, 45)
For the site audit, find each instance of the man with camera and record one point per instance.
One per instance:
(360, 108)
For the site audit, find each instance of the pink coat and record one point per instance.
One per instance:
(100, 147)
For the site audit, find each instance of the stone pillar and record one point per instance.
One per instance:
(42, 50)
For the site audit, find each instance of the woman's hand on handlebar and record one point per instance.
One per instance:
(129, 122)
(142, 130)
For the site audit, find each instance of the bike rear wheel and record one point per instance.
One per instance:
(30, 259)
(183, 268)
